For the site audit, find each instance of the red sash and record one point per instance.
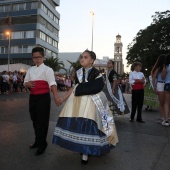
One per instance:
(41, 87)
(137, 86)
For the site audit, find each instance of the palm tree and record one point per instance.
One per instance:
(74, 66)
(54, 63)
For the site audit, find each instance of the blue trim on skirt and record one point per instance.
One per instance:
(81, 135)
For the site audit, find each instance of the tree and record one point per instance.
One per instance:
(54, 63)
(151, 42)
(74, 66)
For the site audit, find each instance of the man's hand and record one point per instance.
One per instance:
(143, 80)
(58, 101)
(30, 84)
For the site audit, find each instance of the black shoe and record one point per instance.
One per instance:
(83, 162)
(140, 121)
(131, 120)
(32, 146)
(39, 152)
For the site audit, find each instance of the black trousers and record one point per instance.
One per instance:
(39, 108)
(137, 103)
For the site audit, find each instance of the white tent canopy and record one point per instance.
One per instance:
(12, 67)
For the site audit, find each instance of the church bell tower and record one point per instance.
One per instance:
(118, 61)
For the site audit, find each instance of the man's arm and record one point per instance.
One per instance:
(55, 95)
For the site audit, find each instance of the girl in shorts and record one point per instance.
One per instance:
(166, 77)
(158, 84)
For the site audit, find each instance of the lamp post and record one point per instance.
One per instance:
(92, 14)
(8, 33)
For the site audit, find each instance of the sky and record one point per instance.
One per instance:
(111, 17)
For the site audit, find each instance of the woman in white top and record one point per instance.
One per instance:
(158, 84)
(166, 77)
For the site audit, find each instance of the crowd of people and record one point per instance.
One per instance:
(11, 82)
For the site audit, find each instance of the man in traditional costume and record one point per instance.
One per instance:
(40, 78)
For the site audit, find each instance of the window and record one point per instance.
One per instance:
(1, 8)
(49, 40)
(30, 47)
(14, 49)
(48, 53)
(30, 34)
(22, 7)
(4, 50)
(49, 27)
(55, 31)
(43, 21)
(55, 43)
(3, 36)
(16, 7)
(54, 54)
(17, 35)
(5, 8)
(34, 5)
(44, 8)
(56, 20)
(25, 48)
(42, 36)
(50, 14)
(20, 49)
(23, 34)
(28, 6)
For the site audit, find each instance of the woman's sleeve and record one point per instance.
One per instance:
(89, 88)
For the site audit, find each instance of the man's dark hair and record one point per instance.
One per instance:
(38, 49)
(135, 64)
(112, 62)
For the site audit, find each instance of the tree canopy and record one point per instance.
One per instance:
(151, 42)
(54, 63)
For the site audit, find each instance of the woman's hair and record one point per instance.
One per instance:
(161, 61)
(91, 53)
(38, 49)
(167, 59)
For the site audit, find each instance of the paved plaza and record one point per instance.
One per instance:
(141, 146)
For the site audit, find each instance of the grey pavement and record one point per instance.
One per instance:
(141, 146)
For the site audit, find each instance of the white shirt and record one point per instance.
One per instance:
(15, 78)
(5, 78)
(87, 70)
(42, 72)
(135, 75)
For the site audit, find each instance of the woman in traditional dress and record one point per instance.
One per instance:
(113, 92)
(85, 124)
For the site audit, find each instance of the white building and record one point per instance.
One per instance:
(70, 56)
(101, 64)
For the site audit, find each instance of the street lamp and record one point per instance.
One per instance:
(8, 33)
(92, 14)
